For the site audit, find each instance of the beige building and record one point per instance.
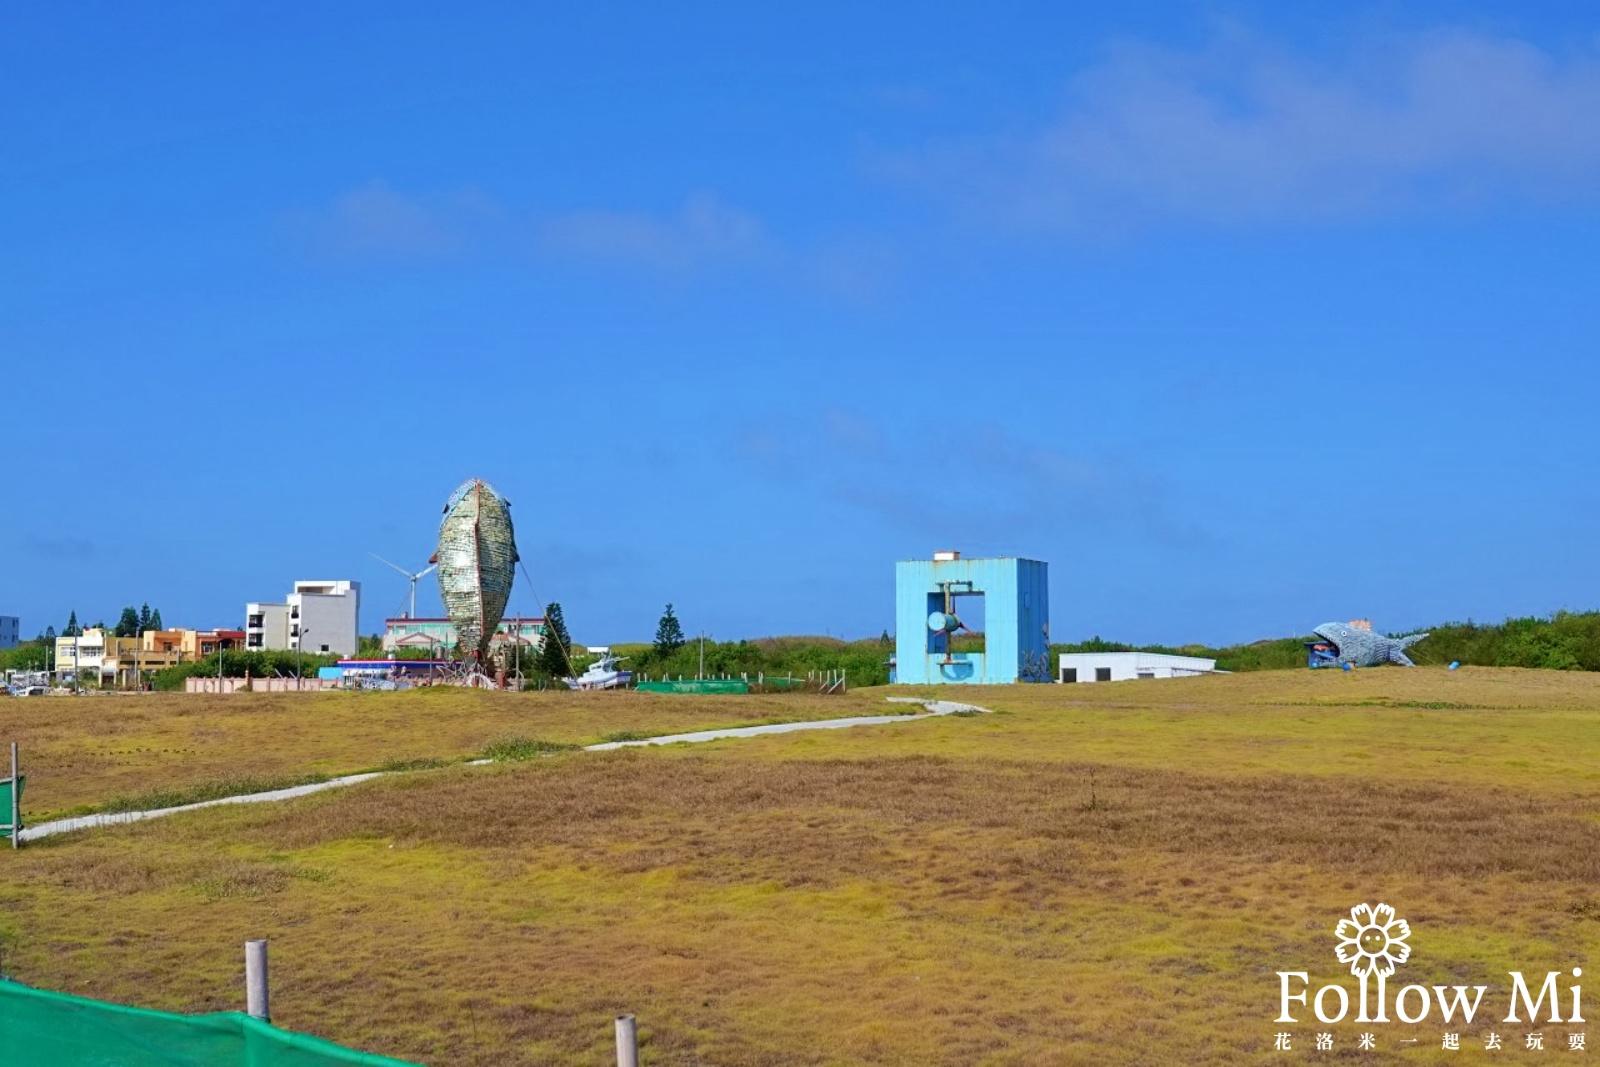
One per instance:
(92, 654)
(98, 654)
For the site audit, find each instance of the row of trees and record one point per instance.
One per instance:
(866, 661)
(131, 623)
(1568, 641)
(1563, 641)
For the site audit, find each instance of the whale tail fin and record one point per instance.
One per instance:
(1399, 654)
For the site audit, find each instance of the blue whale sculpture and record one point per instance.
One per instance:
(1359, 648)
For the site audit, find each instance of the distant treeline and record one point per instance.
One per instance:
(865, 662)
(1565, 641)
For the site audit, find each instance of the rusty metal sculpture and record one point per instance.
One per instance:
(477, 560)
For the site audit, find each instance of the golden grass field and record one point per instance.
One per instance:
(1099, 874)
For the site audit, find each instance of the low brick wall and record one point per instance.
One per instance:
(258, 685)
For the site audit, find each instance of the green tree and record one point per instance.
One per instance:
(155, 620)
(30, 657)
(144, 618)
(72, 629)
(555, 653)
(669, 634)
(128, 623)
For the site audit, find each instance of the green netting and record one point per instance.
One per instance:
(692, 685)
(5, 803)
(38, 1027)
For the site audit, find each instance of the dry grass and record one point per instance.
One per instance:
(80, 754)
(1034, 887)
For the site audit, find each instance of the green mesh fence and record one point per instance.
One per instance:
(6, 785)
(703, 685)
(38, 1027)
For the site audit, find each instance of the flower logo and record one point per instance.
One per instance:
(1372, 940)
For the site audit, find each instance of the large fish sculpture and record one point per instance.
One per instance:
(477, 560)
(1358, 647)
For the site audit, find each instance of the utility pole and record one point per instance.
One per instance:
(702, 673)
(299, 639)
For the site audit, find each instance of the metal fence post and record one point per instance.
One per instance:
(255, 981)
(16, 800)
(627, 1041)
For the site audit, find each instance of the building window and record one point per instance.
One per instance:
(1102, 674)
(1069, 674)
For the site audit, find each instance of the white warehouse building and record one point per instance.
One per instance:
(316, 617)
(1127, 666)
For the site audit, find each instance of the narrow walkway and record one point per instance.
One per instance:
(86, 822)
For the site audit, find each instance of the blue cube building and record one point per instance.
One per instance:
(930, 596)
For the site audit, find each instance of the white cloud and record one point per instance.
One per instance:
(704, 231)
(376, 220)
(1244, 133)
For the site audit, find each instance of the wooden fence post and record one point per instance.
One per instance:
(256, 997)
(627, 1041)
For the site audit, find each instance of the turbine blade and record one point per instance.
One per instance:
(386, 563)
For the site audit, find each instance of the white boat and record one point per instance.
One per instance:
(602, 674)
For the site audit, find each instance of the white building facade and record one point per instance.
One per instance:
(10, 631)
(316, 617)
(266, 627)
(437, 637)
(1128, 666)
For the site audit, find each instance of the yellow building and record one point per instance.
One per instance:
(93, 654)
(98, 654)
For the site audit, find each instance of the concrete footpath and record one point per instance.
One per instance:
(935, 708)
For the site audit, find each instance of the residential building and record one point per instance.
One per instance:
(266, 627)
(92, 653)
(316, 617)
(98, 653)
(10, 631)
(198, 644)
(1127, 666)
(438, 636)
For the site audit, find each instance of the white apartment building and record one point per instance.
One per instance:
(266, 626)
(316, 617)
(10, 631)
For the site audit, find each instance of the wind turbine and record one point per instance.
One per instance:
(412, 578)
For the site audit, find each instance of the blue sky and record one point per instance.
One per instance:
(1243, 316)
